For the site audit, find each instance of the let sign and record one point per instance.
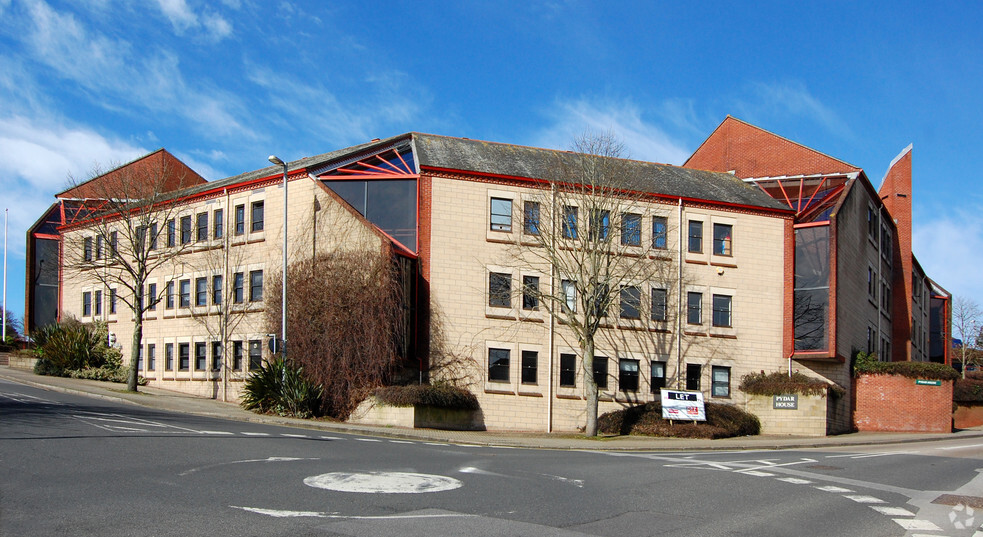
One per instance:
(679, 405)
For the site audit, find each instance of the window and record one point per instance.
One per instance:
(98, 247)
(694, 308)
(498, 365)
(201, 291)
(112, 301)
(601, 371)
(530, 292)
(168, 357)
(631, 229)
(255, 285)
(871, 284)
(169, 296)
(237, 288)
(202, 227)
(631, 302)
(183, 356)
(499, 290)
(530, 218)
(722, 239)
(237, 355)
(153, 237)
(886, 244)
(696, 236)
(530, 361)
(87, 249)
(886, 296)
(721, 310)
(98, 303)
(185, 229)
(660, 232)
(720, 381)
(569, 222)
(113, 244)
(151, 357)
(200, 355)
(871, 340)
(240, 219)
(628, 375)
(693, 374)
(86, 304)
(171, 232)
(600, 224)
(216, 355)
(659, 297)
(871, 222)
(256, 217)
(501, 214)
(152, 296)
(218, 224)
(569, 295)
(139, 358)
(658, 374)
(568, 370)
(600, 300)
(141, 236)
(217, 289)
(184, 289)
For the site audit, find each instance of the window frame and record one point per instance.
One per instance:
(660, 238)
(184, 356)
(184, 293)
(499, 290)
(631, 229)
(694, 233)
(218, 223)
(504, 218)
(256, 285)
(635, 308)
(656, 383)
(201, 291)
(694, 307)
(628, 380)
(531, 218)
(720, 388)
(529, 367)
(530, 292)
(600, 374)
(240, 219)
(718, 309)
(723, 246)
(568, 370)
(257, 216)
(201, 226)
(502, 363)
(654, 309)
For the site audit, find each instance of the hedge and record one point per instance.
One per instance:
(867, 364)
(723, 421)
(432, 395)
(778, 383)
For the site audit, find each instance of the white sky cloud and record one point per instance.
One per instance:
(183, 18)
(794, 98)
(949, 246)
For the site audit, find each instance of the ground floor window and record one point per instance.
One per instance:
(720, 377)
(601, 371)
(568, 370)
(255, 354)
(693, 374)
(183, 356)
(151, 357)
(200, 355)
(216, 355)
(237, 355)
(168, 357)
(658, 375)
(628, 375)
(498, 365)
(530, 362)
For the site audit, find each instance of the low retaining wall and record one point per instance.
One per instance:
(371, 412)
(893, 403)
(22, 362)
(967, 415)
(807, 419)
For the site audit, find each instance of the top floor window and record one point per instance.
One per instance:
(98, 247)
(722, 239)
(171, 232)
(600, 224)
(660, 232)
(240, 219)
(501, 214)
(530, 218)
(631, 229)
(217, 223)
(202, 227)
(872, 222)
(256, 217)
(87, 249)
(153, 237)
(569, 222)
(185, 229)
(696, 236)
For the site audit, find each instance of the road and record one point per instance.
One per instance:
(77, 466)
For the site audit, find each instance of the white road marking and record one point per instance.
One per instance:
(915, 524)
(795, 480)
(755, 473)
(579, 483)
(860, 498)
(891, 511)
(831, 488)
(330, 438)
(255, 434)
(315, 514)
(216, 432)
(368, 440)
(383, 482)
(288, 435)
(435, 444)
(961, 447)
(400, 442)
(268, 459)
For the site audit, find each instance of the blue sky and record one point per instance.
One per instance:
(223, 84)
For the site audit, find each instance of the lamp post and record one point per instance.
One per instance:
(283, 287)
(3, 339)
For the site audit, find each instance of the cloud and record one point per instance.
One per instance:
(643, 140)
(183, 18)
(793, 98)
(949, 246)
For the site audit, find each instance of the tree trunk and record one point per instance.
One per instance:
(590, 429)
(131, 378)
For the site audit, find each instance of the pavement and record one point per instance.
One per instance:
(156, 398)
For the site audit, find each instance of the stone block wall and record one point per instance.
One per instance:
(809, 419)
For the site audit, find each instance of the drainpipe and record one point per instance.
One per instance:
(224, 314)
(552, 329)
(679, 301)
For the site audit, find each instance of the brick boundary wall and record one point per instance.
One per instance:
(894, 403)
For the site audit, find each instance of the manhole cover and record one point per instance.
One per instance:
(382, 482)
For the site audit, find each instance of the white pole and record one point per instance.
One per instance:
(3, 339)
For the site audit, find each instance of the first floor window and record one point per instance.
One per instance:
(499, 290)
(98, 303)
(217, 289)
(86, 304)
(498, 365)
(151, 357)
(658, 375)
(256, 217)
(255, 285)
(183, 356)
(139, 358)
(200, 355)
(723, 239)
(658, 304)
(569, 295)
(722, 311)
(168, 357)
(255, 354)
(501, 214)
(628, 375)
(237, 356)
(169, 296)
(184, 288)
(201, 291)
(568, 370)
(693, 374)
(530, 292)
(216, 355)
(530, 362)
(237, 288)
(696, 236)
(720, 380)
(694, 308)
(631, 300)
(601, 371)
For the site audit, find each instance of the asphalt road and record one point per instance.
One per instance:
(76, 466)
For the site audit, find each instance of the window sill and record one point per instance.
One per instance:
(529, 394)
(569, 397)
(730, 264)
(697, 262)
(499, 392)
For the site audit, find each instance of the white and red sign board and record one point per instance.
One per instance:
(679, 405)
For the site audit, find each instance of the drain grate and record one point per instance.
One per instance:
(975, 502)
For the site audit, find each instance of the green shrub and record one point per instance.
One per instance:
(280, 388)
(723, 421)
(778, 383)
(868, 364)
(968, 390)
(433, 395)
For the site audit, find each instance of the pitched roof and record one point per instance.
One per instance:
(155, 172)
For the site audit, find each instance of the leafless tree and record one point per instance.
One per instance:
(966, 316)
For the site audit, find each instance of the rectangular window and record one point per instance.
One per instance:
(530, 292)
(498, 365)
(569, 222)
(112, 301)
(530, 362)
(723, 239)
(722, 310)
(600, 224)
(720, 381)
(184, 290)
(694, 308)
(114, 244)
(871, 284)
(660, 232)
(872, 222)
(631, 302)
(659, 297)
(201, 291)
(185, 229)
(201, 227)
(171, 233)
(152, 296)
(600, 300)
(256, 217)
(98, 303)
(201, 355)
(168, 357)
(216, 356)
(87, 249)
(568, 370)
(237, 288)
(601, 372)
(569, 295)
(658, 375)
(237, 355)
(153, 237)
(696, 236)
(887, 245)
(218, 224)
(631, 229)
(255, 286)
(141, 237)
(501, 214)
(169, 296)
(499, 290)
(628, 375)
(217, 289)
(86, 304)
(530, 218)
(98, 247)
(183, 356)
(139, 358)
(240, 219)
(693, 374)
(151, 357)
